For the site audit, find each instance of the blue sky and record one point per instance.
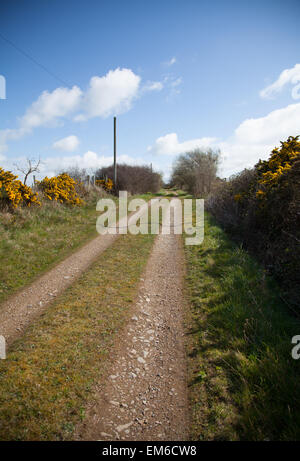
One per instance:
(178, 74)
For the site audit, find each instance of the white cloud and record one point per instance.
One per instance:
(51, 166)
(51, 106)
(255, 138)
(68, 144)
(252, 140)
(3, 146)
(169, 145)
(172, 83)
(8, 134)
(175, 83)
(90, 161)
(111, 94)
(153, 86)
(171, 62)
(276, 125)
(45, 111)
(169, 83)
(287, 76)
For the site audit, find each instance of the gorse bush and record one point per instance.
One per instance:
(61, 188)
(272, 172)
(13, 193)
(106, 184)
(261, 208)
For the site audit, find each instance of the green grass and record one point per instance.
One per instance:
(32, 240)
(243, 382)
(49, 374)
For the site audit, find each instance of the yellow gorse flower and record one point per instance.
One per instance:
(107, 185)
(14, 193)
(237, 197)
(281, 161)
(60, 188)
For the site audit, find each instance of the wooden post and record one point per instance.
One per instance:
(115, 151)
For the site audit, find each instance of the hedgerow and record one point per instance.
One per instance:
(13, 193)
(135, 179)
(261, 208)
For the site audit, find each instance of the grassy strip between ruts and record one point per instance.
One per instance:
(243, 382)
(49, 374)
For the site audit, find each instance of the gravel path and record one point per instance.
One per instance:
(145, 394)
(20, 310)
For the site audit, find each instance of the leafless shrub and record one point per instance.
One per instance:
(133, 179)
(196, 171)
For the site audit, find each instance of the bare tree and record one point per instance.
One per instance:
(30, 167)
(196, 171)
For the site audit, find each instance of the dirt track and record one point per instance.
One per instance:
(20, 310)
(145, 394)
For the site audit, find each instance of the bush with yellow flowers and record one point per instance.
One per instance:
(61, 188)
(14, 193)
(261, 209)
(272, 173)
(107, 184)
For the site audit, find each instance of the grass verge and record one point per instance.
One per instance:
(49, 374)
(32, 240)
(243, 382)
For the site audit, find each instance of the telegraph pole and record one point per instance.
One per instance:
(115, 151)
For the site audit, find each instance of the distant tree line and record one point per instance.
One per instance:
(133, 179)
(137, 179)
